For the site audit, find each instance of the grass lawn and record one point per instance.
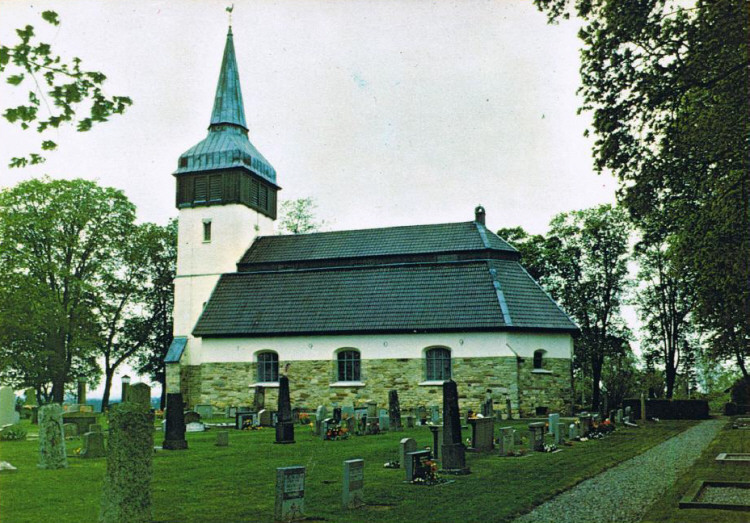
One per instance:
(706, 468)
(233, 484)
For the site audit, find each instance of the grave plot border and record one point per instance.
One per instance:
(689, 500)
(722, 458)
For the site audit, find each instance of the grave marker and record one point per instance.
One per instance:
(290, 494)
(416, 466)
(264, 418)
(93, 445)
(507, 443)
(140, 394)
(259, 398)
(482, 434)
(536, 436)
(174, 437)
(354, 479)
(553, 420)
(437, 440)
(70, 430)
(126, 494)
(453, 451)
(51, 438)
(410, 422)
(405, 446)
(81, 397)
(618, 417)
(435, 413)
(8, 414)
(205, 411)
(222, 438)
(559, 438)
(384, 422)
(572, 432)
(284, 425)
(394, 410)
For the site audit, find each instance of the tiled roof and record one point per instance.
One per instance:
(387, 298)
(389, 241)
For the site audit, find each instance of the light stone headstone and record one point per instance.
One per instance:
(93, 445)
(434, 413)
(222, 438)
(354, 480)
(290, 494)
(140, 394)
(205, 411)
(384, 422)
(8, 414)
(51, 438)
(559, 438)
(507, 441)
(572, 432)
(406, 445)
(618, 417)
(629, 414)
(264, 418)
(126, 493)
(553, 420)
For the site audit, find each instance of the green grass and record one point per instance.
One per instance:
(706, 468)
(207, 483)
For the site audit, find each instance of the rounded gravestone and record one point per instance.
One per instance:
(51, 438)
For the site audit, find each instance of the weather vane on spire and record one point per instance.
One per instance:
(229, 10)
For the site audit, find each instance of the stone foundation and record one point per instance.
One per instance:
(225, 384)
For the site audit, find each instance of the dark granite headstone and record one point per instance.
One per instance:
(174, 439)
(416, 464)
(453, 453)
(337, 414)
(285, 425)
(394, 410)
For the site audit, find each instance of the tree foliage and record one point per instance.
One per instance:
(667, 83)
(298, 217)
(58, 90)
(531, 246)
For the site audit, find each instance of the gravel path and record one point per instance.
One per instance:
(623, 493)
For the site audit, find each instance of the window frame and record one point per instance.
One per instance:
(351, 366)
(265, 369)
(434, 370)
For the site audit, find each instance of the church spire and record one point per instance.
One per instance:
(228, 106)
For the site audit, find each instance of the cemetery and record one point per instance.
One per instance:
(319, 477)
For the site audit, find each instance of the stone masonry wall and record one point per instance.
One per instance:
(225, 384)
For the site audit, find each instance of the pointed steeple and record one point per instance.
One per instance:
(228, 106)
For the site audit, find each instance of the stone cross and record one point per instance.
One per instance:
(453, 451)
(405, 446)
(506, 441)
(354, 479)
(290, 494)
(126, 494)
(394, 410)
(284, 425)
(51, 438)
(174, 438)
(8, 414)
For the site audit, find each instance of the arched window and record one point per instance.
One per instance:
(438, 364)
(348, 366)
(538, 358)
(268, 367)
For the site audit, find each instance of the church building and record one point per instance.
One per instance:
(347, 315)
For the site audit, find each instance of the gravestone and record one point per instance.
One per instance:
(51, 438)
(437, 440)
(384, 422)
(405, 446)
(290, 494)
(394, 410)
(372, 409)
(482, 434)
(488, 408)
(585, 424)
(205, 411)
(264, 418)
(8, 414)
(259, 398)
(435, 413)
(81, 397)
(320, 414)
(618, 417)
(174, 437)
(70, 430)
(416, 466)
(536, 436)
(453, 452)
(421, 414)
(284, 425)
(553, 420)
(337, 414)
(81, 419)
(629, 414)
(354, 480)
(191, 416)
(347, 411)
(507, 445)
(93, 445)
(140, 394)
(643, 407)
(231, 412)
(222, 438)
(126, 495)
(509, 408)
(410, 422)
(559, 438)
(572, 432)
(95, 427)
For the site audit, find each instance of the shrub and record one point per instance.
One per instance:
(13, 433)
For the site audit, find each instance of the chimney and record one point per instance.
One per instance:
(479, 214)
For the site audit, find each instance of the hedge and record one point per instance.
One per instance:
(669, 409)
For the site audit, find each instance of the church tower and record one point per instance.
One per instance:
(226, 196)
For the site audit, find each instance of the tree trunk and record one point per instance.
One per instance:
(108, 375)
(56, 346)
(670, 373)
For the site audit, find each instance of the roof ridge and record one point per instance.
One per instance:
(483, 235)
(307, 234)
(477, 261)
(500, 296)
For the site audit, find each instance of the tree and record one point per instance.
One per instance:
(665, 302)
(160, 297)
(668, 84)
(586, 264)
(134, 304)
(298, 217)
(531, 246)
(68, 87)
(60, 240)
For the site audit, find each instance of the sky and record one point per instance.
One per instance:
(384, 112)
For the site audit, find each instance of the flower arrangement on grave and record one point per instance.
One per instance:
(392, 464)
(431, 476)
(550, 447)
(336, 432)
